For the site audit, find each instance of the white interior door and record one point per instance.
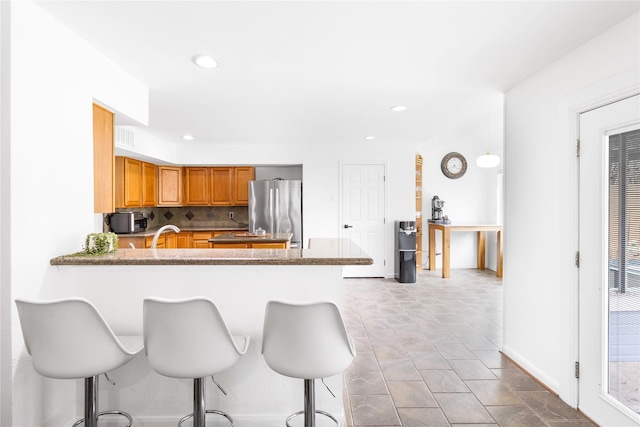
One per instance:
(609, 277)
(363, 216)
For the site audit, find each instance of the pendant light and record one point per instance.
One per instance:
(488, 160)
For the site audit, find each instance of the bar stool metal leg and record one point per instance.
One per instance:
(91, 413)
(91, 401)
(309, 403)
(310, 411)
(199, 406)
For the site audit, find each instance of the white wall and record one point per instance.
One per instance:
(5, 289)
(540, 326)
(55, 77)
(471, 198)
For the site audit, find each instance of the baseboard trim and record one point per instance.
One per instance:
(530, 369)
(212, 421)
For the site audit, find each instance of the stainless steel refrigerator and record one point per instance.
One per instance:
(276, 206)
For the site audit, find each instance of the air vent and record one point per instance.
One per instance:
(124, 136)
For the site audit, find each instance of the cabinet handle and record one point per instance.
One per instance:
(348, 226)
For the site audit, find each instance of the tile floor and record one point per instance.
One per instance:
(428, 356)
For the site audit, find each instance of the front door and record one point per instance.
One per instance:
(609, 314)
(363, 216)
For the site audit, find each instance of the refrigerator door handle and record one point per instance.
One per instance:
(276, 213)
(271, 211)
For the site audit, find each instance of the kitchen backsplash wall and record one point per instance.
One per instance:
(195, 216)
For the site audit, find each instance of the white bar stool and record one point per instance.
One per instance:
(188, 338)
(69, 339)
(306, 341)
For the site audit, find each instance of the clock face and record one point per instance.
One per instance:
(453, 165)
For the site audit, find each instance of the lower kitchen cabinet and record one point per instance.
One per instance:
(201, 239)
(184, 240)
(282, 245)
(171, 240)
(230, 245)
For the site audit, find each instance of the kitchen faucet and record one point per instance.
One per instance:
(154, 243)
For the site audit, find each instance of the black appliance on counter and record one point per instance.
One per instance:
(127, 222)
(405, 251)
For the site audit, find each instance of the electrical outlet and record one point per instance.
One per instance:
(230, 215)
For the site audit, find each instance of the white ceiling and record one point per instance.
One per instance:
(327, 72)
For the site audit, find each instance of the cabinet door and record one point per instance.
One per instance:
(196, 186)
(220, 186)
(169, 186)
(242, 176)
(159, 245)
(230, 245)
(184, 240)
(269, 245)
(201, 239)
(125, 242)
(171, 240)
(103, 162)
(149, 184)
(128, 182)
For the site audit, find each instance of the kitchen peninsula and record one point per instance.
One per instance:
(240, 282)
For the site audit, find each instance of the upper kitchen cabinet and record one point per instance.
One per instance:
(103, 196)
(196, 186)
(242, 176)
(220, 186)
(149, 184)
(217, 186)
(169, 186)
(136, 184)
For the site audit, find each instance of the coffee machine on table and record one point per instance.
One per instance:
(436, 211)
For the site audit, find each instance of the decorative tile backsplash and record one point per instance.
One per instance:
(195, 216)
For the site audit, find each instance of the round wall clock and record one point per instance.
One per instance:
(453, 165)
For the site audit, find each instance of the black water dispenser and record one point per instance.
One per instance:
(405, 249)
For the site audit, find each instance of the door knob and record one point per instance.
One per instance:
(348, 226)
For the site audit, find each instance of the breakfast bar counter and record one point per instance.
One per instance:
(240, 282)
(320, 252)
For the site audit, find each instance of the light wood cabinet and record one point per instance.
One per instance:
(135, 183)
(184, 240)
(169, 186)
(200, 239)
(217, 186)
(149, 184)
(160, 244)
(269, 245)
(241, 177)
(230, 245)
(128, 182)
(171, 240)
(221, 179)
(196, 186)
(103, 160)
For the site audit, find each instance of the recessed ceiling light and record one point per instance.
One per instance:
(370, 137)
(187, 137)
(204, 61)
(398, 108)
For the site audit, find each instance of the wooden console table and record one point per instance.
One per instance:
(446, 230)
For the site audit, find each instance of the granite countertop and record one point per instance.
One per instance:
(321, 251)
(245, 237)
